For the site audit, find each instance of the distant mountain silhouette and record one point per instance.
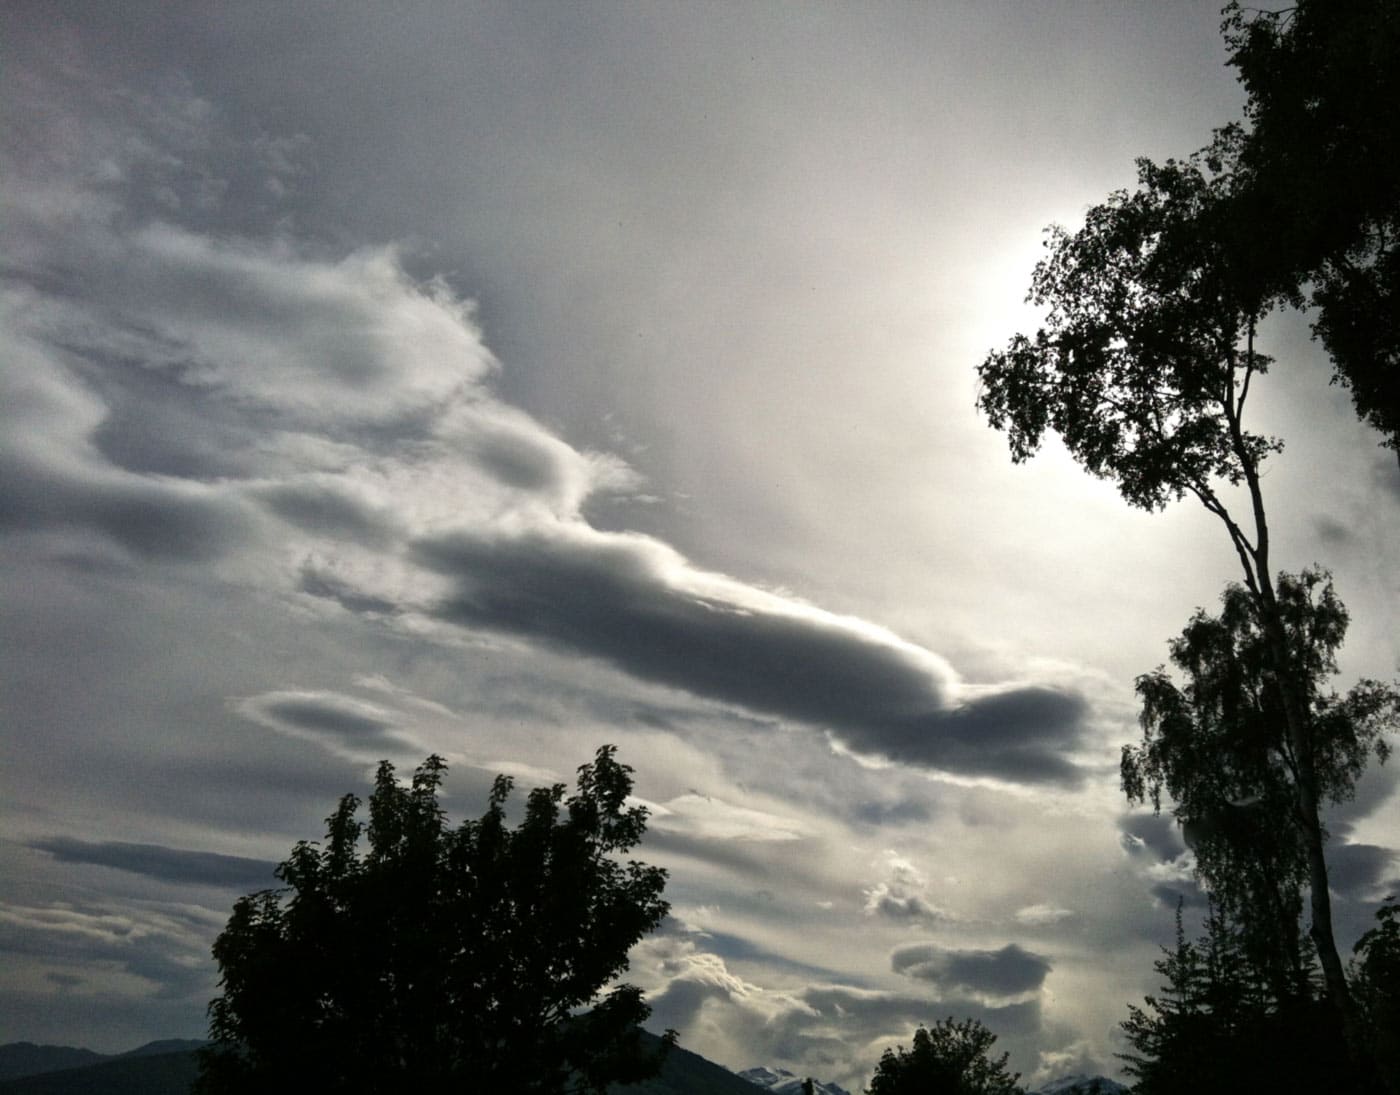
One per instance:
(28, 1059)
(169, 1066)
(154, 1069)
(144, 1071)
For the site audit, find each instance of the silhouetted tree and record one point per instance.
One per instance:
(1318, 203)
(1143, 368)
(1376, 975)
(949, 1059)
(1218, 746)
(476, 955)
(1219, 1027)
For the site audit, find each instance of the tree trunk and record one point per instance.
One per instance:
(1298, 719)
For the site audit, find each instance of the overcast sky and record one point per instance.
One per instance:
(504, 380)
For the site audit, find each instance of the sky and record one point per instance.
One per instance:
(500, 381)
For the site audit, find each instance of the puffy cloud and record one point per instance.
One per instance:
(1010, 971)
(884, 901)
(903, 895)
(838, 1030)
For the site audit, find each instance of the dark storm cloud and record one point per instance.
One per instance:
(167, 864)
(1157, 834)
(632, 602)
(1354, 870)
(1009, 971)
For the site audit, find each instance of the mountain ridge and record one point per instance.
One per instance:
(168, 1066)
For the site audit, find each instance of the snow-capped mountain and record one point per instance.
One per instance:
(782, 1082)
(1081, 1085)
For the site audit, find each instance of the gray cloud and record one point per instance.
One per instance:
(631, 601)
(1371, 792)
(1354, 870)
(339, 722)
(879, 1009)
(1157, 834)
(328, 508)
(1009, 971)
(816, 1023)
(351, 403)
(151, 519)
(903, 906)
(881, 814)
(320, 582)
(164, 948)
(167, 864)
(1170, 894)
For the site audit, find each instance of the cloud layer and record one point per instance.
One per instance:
(330, 423)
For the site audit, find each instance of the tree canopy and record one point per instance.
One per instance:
(1319, 174)
(1217, 1026)
(1376, 975)
(476, 954)
(949, 1059)
(1147, 355)
(1217, 744)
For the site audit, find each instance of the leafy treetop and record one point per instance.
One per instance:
(949, 1059)
(474, 955)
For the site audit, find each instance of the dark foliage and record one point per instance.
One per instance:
(1220, 1027)
(1143, 368)
(1218, 746)
(1376, 977)
(439, 956)
(1139, 367)
(949, 1059)
(1319, 171)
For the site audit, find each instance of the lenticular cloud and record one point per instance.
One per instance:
(329, 428)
